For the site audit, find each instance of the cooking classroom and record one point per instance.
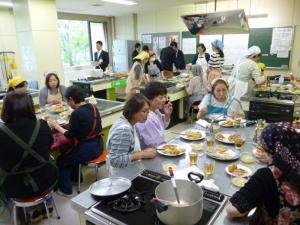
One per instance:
(139, 112)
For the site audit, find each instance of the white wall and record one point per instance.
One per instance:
(280, 13)
(125, 27)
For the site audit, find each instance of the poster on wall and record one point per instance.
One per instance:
(162, 42)
(155, 45)
(189, 45)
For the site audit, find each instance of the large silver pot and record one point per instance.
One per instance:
(189, 211)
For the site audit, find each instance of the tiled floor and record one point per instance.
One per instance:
(68, 215)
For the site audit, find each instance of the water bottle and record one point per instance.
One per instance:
(281, 80)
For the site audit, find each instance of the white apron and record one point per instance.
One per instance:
(112, 171)
(237, 88)
(203, 63)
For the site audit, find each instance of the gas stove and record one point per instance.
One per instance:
(274, 95)
(134, 206)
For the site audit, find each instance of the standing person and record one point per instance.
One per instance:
(137, 49)
(153, 67)
(136, 73)
(101, 57)
(202, 57)
(216, 60)
(196, 88)
(275, 189)
(245, 72)
(53, 92)
(151, 132)
(19, 84)
(179, 59)
(167, 58)
(85, 128)
(219, 102)
(145, 48)
(25, 143)
(123, 144)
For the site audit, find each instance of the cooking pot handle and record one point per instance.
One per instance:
(158, 205)
(198, 177)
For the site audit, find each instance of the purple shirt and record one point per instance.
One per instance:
(151, 133)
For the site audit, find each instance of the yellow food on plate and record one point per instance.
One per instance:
(193, 134)
(220, 137)
(221, 152)
(239, 181)
(233, 137)
(232, 167)
(58, 108)
(228, 123)
(171, 149)
(197, 147)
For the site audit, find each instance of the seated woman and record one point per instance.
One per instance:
(20, 134)
(153, 67)
(19, 84)
(196, 88)
(274, 190)
(85, 128)
(151, 132)
(219, 102)
(53, 92)
(123, 143)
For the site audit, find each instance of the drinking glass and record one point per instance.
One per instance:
(193, 157)
(261, 123)
(238, 142)
(209, 142)
(209, 167)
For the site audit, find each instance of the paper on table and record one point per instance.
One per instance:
(189, 45)
(203, 123)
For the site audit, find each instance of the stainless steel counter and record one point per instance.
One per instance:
(107, 107)
(34, 93)
(84, 201)
(272, 100)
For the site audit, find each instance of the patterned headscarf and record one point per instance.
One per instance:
(282, 141)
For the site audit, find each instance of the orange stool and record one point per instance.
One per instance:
(93, 163)
(36, 200)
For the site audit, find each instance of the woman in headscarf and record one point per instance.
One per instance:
(274, 190)
(196, 88)
(19, 84)
(246, 73)
(136, 73)
(216, 60)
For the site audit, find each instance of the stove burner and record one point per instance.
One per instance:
(89, 78)
(129, 202)
(263, 95)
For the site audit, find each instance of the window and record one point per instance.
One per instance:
(77, 39)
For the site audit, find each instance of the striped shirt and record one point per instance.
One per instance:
(120, 143)
(215, 61)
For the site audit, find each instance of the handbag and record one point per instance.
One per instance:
(62, 145)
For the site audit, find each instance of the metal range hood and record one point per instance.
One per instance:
(234, 21)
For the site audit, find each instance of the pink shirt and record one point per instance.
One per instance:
(151, 133)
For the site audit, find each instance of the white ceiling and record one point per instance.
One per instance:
(110, 9)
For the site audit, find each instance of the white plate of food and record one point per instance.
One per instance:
(238, 170)
(58, 108)
(216, 117)
(172, 150)
(222, 152)
(228, 138)
(226, 123)
(260, 154)
(193, 135)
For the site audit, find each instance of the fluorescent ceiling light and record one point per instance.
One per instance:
(6, 4)
(122, 2)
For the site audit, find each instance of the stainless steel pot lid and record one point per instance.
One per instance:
(110, 186)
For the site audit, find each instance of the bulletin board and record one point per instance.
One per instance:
(275, 43)
(158, 41)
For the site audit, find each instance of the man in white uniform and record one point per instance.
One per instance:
(246, 74)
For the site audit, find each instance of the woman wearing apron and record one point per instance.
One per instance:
(201, 58)
(123, 144)
(218, 102)
(136, 73)
(153, 67)
(246, 74)
(53, 92)
(196, 88)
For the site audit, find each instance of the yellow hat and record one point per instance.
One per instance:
(142, 55)
(15, 81)
(261, 66)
